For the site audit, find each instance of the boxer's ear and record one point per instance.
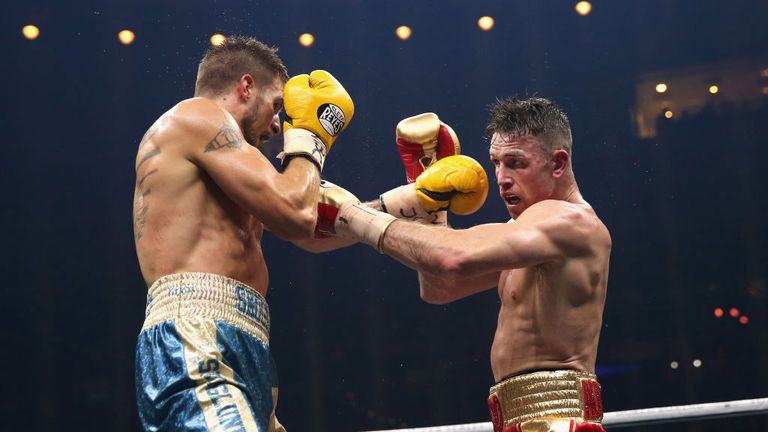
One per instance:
(561, 160)
(246, 88)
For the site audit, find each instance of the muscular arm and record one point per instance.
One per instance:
(316, 245)
(438, 289)
(435, 289)
(284, 202)
(321, 245)
(547, 231)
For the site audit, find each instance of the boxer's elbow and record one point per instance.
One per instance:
(305, 224)
(299, 226)
(434, 296)
(449, 262)
(434, 290)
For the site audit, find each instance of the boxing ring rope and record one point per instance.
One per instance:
(619, 419)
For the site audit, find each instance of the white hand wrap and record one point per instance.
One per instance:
(301, 142)
(363, 223)
(402, 203)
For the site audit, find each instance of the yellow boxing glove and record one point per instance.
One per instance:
(319, 104)
(457, 183)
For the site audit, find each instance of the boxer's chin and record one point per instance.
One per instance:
(514, 205)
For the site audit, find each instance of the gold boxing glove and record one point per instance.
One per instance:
(422, 140)
(319, 104)
(457, 183)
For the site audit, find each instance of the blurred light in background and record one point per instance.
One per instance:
(764, 73)
(765, 91)
(126, 37)
(719, 312)
(674, 365)
(583, 8)
(669, 114)
(30, 32)
(218, 39)
(306, 39)
(714, 89)
(697, 363)
(661, 88)
(485, 23)
(403, 32)
(734, 312)
(744, 319)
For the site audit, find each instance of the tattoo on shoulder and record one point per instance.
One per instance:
(149, 155)
(148, 134)
(228, 137)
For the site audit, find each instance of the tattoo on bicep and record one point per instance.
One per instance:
(140, 207)
(228, 137)
(140, 210)
(140, 183)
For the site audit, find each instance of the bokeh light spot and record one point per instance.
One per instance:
(403, 32)
(486, 23)
(30, 32)
(126, 37)
(218, 39)
(306, 39)
(583, 8)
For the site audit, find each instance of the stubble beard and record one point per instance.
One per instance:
(249, 127)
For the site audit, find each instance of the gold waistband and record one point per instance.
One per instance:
(207, 295)
(540, 395)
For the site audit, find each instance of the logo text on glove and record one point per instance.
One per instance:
(332, 118)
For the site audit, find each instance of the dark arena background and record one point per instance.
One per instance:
(668, 101)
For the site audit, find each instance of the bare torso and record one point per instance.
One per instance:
(551, 314)
(183, 222)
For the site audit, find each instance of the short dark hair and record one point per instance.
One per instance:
(535, 116)
(223, 65)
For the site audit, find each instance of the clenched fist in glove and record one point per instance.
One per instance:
(319, 109)
(457, 183)
(423, 140)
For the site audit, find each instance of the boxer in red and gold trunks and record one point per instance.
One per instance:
(549, 262)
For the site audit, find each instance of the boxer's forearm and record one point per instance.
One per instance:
(436, 289)
(420, 247)
(320, 245)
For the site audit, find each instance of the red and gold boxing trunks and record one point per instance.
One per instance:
(547, 401)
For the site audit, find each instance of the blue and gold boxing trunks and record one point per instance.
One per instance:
(202, 359)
